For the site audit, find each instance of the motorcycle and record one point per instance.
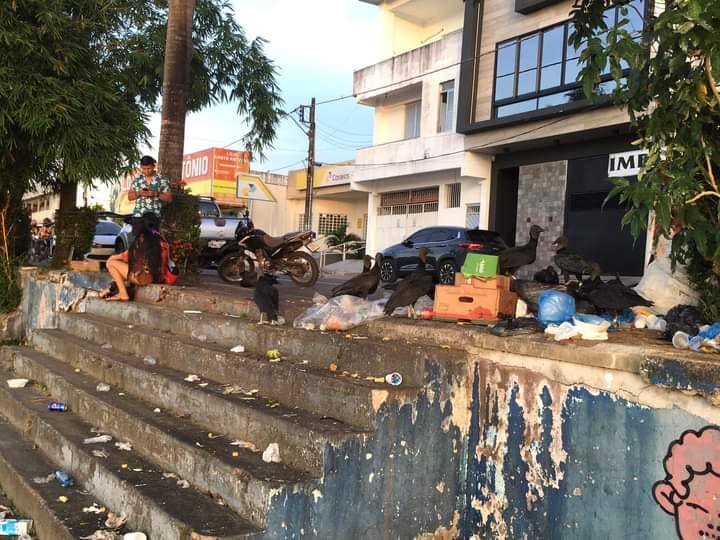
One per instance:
(253, 252)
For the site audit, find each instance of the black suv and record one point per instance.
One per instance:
(448, 247)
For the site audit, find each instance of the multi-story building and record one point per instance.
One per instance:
(480, 122)
(417, 172)
(552, 152)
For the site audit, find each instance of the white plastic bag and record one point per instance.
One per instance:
(340, 313)
(664, 287)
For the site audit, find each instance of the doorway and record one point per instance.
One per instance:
(506, 200)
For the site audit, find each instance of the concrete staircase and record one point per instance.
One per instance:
(183, 477)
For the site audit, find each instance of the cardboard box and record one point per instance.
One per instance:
(85, 266)
(465, 302)
(497, 282)
(477, 264)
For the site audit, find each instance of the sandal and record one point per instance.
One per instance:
(117, 298)
(105, 293)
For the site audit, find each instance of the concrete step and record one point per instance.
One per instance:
(123, 480)
(301, 436)
(366, 356)
(245, 482)
(20, 463)
(296, 383)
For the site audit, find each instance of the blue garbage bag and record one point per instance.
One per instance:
(555, 307)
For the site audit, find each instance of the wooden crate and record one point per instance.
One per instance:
(469, 303)
(497, 282)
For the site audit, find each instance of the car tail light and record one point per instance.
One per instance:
(472, 246)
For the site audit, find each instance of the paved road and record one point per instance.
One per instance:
(288, 290)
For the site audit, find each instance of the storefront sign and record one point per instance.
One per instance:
(253, 188)
(626, 163)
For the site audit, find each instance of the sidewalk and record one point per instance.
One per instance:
(346, 267)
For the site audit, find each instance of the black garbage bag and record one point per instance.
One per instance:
(683, 318)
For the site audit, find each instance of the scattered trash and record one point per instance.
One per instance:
(100, 535)
(706, 340)
(231, 389)
(102, 454)
(169, 475)
(183, 484)
(15, 527)
(555, 307)
(63, 479)
(244, 444)
(681, 340)
(4, 511)
(156, 410)
(272, 453)
(192, 312)
(393, 378)
(375, 379)
(124, 446)
(203, 384)
(192, 378)
(211, 435)
(273, 354)
(591, 327)
(62, 499)
(57, 406)
(197, 335)
(43, 479)
(238, 349)
(340, 313)
(97, 440)
(149, 361)
(106, 346)
(134, 536)
(563, 331)
(17, 383)
(102, 387)
(94, 509)
(114, 521)
(332, 367)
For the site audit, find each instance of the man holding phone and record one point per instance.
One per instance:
(149, 190)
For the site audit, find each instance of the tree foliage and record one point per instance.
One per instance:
(668, 83)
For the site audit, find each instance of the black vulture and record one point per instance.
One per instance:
(514, 258)
(363, 284)
(611, 296)
(571, 263)
(413, 287)
(267, 298)
(549, 276)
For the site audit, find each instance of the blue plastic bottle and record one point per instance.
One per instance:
(15, 527)
(57, 406)
(63, 478)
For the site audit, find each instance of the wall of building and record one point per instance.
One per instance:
(541, 201)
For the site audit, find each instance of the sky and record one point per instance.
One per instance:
(316, 45)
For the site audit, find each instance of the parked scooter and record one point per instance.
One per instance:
(253, 252)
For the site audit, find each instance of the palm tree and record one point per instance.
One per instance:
(341, 236)
(176, 86)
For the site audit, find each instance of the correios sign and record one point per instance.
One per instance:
(626, 163)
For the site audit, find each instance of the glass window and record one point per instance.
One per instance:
(517, 108)
(506, 57)
(552, 47)
(505, 87)
(209, 209)
(550, 76)
(412, 120)
(447, 106)
(421, 237)
(553, 99)
(107, 228)
(572, 70)
(527, 82)
(529, 52)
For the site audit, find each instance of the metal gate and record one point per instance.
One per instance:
(404, 212)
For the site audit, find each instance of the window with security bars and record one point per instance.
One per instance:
(301, 222)
(453, 195)
(330, 223)
(472, 216)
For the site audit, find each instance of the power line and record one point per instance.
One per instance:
(333, 128)
(287, 166)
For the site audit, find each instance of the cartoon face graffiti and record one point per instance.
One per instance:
(691, 488)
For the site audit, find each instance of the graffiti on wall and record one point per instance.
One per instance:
(690, 491)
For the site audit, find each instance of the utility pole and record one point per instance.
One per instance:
(310, 169)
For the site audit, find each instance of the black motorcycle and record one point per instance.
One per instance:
(254, 252)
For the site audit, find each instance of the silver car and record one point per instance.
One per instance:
(105, 240)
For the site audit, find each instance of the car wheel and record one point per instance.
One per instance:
(446, 273)
(388, 272)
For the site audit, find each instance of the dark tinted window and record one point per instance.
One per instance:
(482, 237)
(208, 209)
(107, 228)
(421, 237)
(442, 235)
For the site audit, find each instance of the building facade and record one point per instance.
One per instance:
(480, 122)
(552, 152)
(417, 173)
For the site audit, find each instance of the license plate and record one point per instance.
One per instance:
(215, 244)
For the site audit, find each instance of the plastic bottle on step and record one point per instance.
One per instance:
(57, 406)
(63, 479)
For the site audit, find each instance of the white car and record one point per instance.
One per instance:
(106, 233)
